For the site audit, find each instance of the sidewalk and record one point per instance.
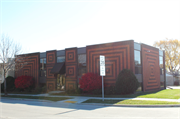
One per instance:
(80, 99)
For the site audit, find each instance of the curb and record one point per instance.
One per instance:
(118, 105)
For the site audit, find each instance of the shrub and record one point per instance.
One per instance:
(9, 84)
(90, 81)
(41, 89)
(24, 82)
(110, 90)
(126, 82)
(97, 91)
(74, 91)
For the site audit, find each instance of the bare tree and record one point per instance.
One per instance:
(8, 57)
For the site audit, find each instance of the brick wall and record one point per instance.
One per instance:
(118, 56)
(150, 68)
(50, 62)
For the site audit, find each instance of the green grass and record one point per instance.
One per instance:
(23, 92)
(130, 102)
(38, 97)
(164, 94)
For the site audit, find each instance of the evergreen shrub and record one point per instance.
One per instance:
(9, 84)
(126, 82)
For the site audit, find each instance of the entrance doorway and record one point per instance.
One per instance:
(61, 82)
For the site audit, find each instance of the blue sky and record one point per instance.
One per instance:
(41, 25)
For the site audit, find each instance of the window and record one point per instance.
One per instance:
(161, 65)
(137, 57)
(160, 52)
(137, 61)
(60, 59)
(137, 46)
(43, 67)
(81, 64)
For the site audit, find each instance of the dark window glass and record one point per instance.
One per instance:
(81, 64)
(60, 59)
(43, 67)
(138, 70)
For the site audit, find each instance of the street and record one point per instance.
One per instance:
(23, 109)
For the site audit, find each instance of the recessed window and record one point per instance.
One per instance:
(161, 65)
(81, 64)
(137, 57)
(82, 59)
(137, 46)
(137, 61)
(43, 67)
(60, 59)
(160, 52)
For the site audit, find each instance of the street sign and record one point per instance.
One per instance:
(102, 72)
(102, 65)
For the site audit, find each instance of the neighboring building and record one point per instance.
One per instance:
(62, 69)
(171, 79)
(9, 73)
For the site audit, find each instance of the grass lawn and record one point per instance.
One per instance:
(38, 97)
(23, 92)
(130, 102)
(164, 94)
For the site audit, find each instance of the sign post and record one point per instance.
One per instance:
(102, 72)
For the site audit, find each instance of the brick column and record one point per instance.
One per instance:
(50, 61)
(71, 68)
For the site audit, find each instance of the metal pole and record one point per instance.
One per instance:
(102, 89)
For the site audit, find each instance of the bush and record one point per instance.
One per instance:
(24, 83)
(110, 90)
(90, 82)
(74, 91)
(9, 84)
(126, 82)
(41, 89)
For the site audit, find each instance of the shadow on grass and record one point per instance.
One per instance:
(164, 94)
(37, 97)
(107, 96)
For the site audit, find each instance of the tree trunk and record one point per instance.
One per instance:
(5, 91)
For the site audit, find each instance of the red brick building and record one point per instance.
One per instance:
(62, 69)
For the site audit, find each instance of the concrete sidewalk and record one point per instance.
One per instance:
(80, 99)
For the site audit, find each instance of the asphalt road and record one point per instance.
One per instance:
(23, 109)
